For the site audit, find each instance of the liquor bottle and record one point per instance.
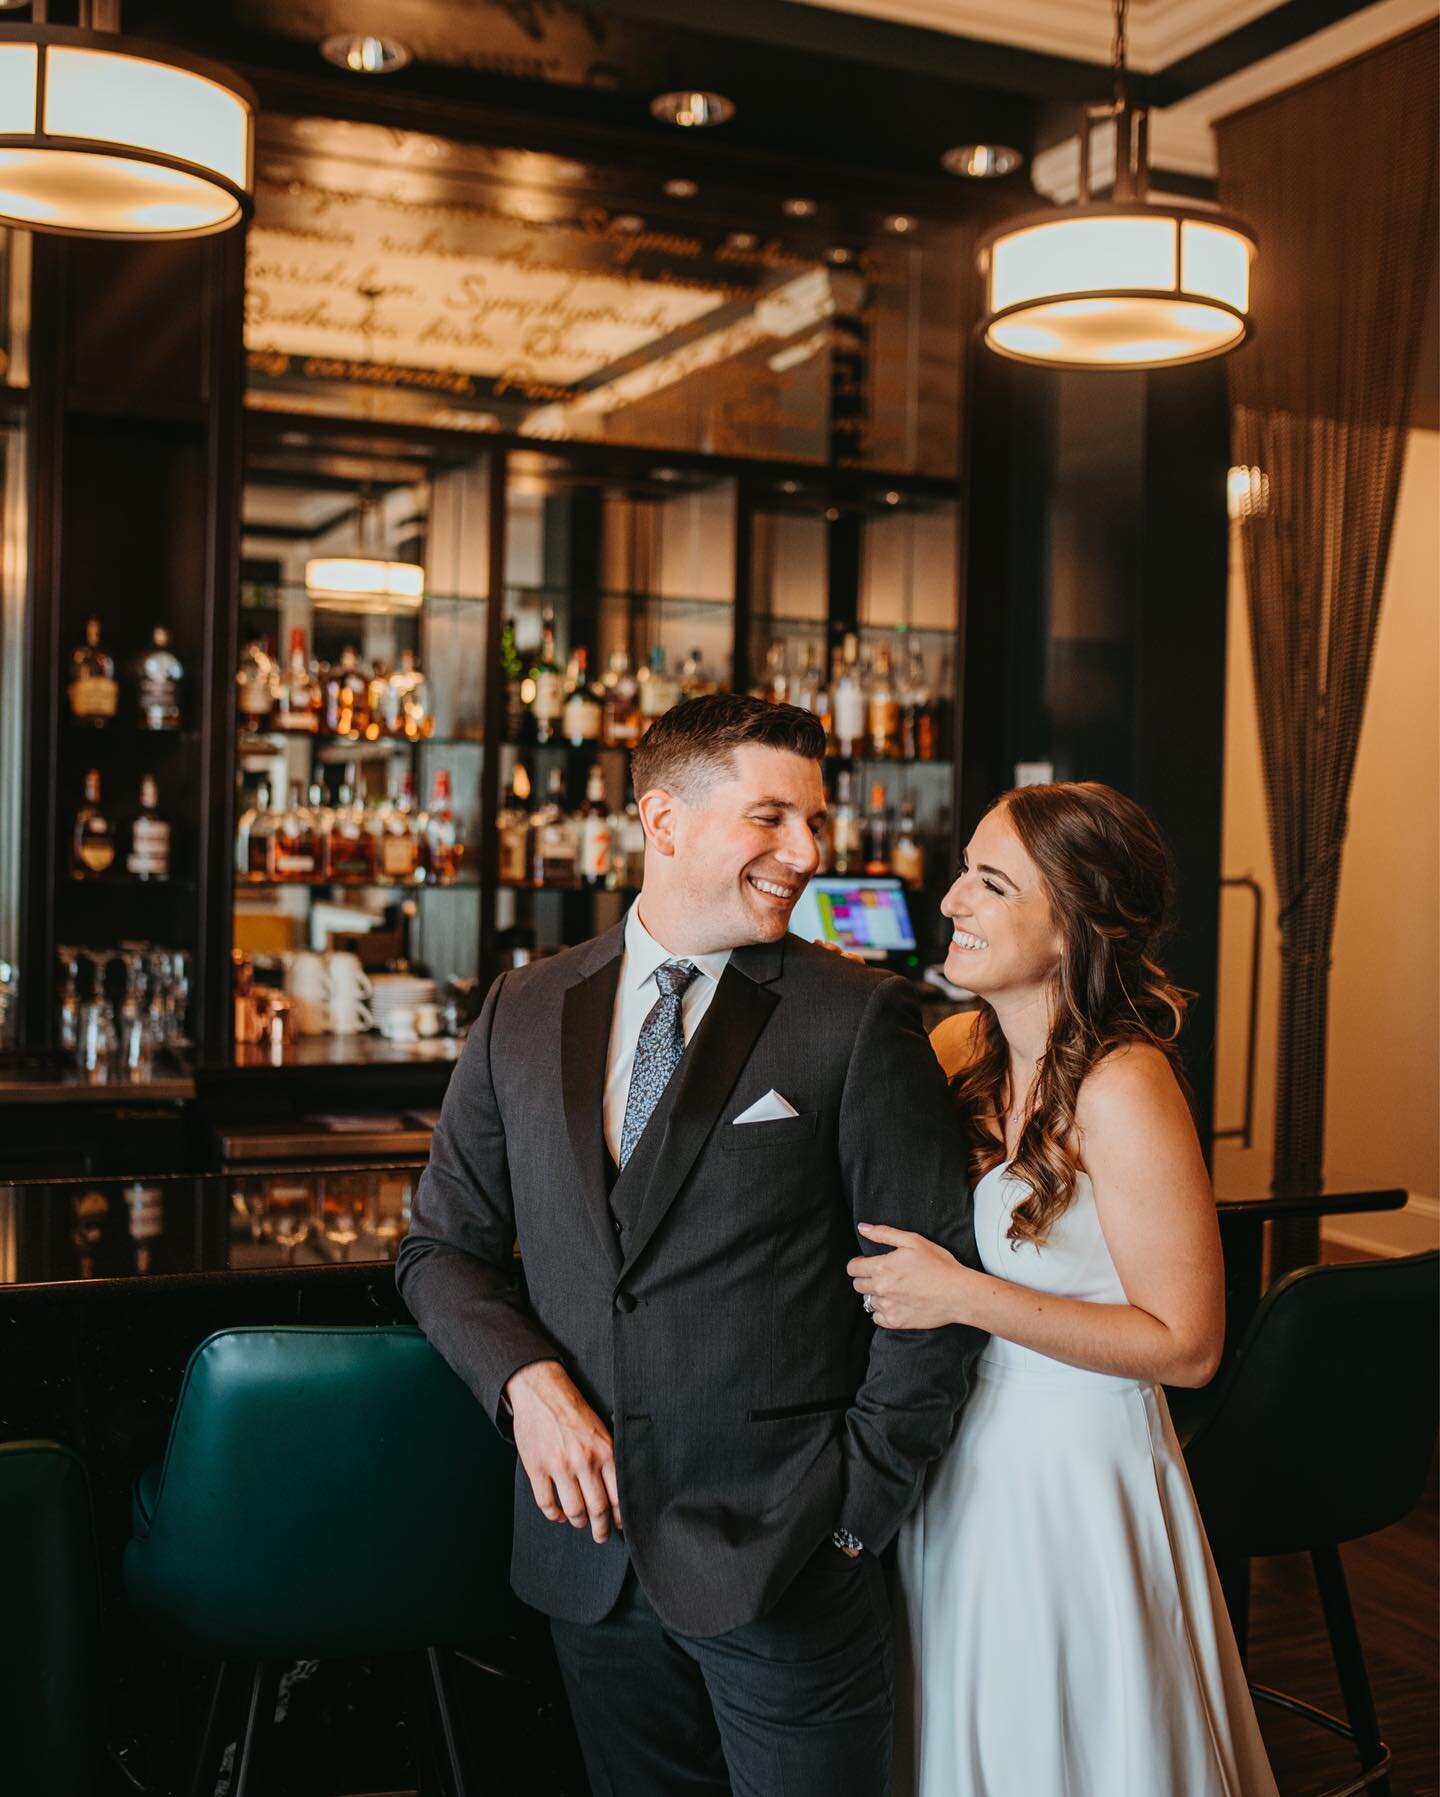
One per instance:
(695, 678)
(811, 691)
(444, 849)
(917, 720)
(825, 845)
(554, 837)
(94, 693)
(252, 838)
(630, 864)
(352, 849)
(513, 826)
(844, 828)
(347, 696)
(399, 857)
(595, 837)
(583, 716)
(158, 686)
(877, 833)
(883, 709)
(412, 699)
(92, 841)
(517, 717)
(776, 685)
(145, 1220)
(322, 817)
(848, 702)
(942, 709)
(659, 690)
(255, 683)
(149, 857)
(620, 722)
(383, 700)
(546, 685)
(907, 852)
(297, 697)
(293, 848)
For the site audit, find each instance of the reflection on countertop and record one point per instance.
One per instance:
(51, 1078)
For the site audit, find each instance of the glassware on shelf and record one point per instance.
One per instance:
(297, 693)
(847, 700)
(288, 1217)
(255, 684)
(92, 837)
(513, 828)
(93, 691)
(555, 838)
(158, 686)
(149, 857)
(907, 851)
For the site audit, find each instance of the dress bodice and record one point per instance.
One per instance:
(1072, 1262)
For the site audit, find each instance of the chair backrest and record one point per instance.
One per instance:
(325, 1492)
(51, 1680)
(1323, 1428)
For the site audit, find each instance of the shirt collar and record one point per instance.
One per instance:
(643, 954)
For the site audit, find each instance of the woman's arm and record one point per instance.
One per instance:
(1153, 1196)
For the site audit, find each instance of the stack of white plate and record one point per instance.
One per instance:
(396, 995)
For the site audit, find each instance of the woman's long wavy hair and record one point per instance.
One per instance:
(1106, 873)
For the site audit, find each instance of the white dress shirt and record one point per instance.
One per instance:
(634, 1000)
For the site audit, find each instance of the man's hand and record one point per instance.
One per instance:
(565, 1449)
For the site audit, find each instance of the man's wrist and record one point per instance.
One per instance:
(528, 1375)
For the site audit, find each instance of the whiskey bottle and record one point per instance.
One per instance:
(92, 842)
(545, 687)
(347, 696)
(443, 848)
(659, 689)
(583, 717)
(399, 847)
(159, 684)
(877, 833)
(776, 684)
(322, 818)
(297, 700)
(513, 826)
(351, 845)
(883, 709)
(811, 692)
(555, 838)
(620, 725)
(252, 838)
(696, 680)
(907, 852)
(844, 828)
(595, 838)
(149, 857)
(255, 683)
(94, 693)
(292, 845)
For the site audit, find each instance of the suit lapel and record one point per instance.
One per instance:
(584, 1041)
(714, 1060)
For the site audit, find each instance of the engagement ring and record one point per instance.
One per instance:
(869, 1303)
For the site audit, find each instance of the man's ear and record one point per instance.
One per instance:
(657, 814)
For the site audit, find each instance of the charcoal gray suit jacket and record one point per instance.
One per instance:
(754, 1405)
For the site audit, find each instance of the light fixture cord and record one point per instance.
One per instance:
(1122, 75)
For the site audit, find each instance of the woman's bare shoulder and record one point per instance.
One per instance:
(954, 1040)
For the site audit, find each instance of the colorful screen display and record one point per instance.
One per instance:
(869, 917)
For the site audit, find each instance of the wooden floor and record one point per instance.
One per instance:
(1396, 1593)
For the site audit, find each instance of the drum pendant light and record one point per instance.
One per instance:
(1118, 283)
(107, 136)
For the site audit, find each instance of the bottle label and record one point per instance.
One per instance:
(549, 695)
(514, 868)
(97, 853)
(849, 714)
(150, 848)
(397, 856)
(287, 862)
(255, 699)
(595, 853)
(158, 704)
(582, 720)
(93, 696)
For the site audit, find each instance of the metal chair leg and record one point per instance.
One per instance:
(259, 1716)
(1349, 1659)
(218, 1705)
(440, 1685)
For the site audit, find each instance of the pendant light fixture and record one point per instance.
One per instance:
(368, 580)
(1123, 282)
(107, 136)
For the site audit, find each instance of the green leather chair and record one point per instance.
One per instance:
(1321, 1430)
(51, 1678)
(325, 1493)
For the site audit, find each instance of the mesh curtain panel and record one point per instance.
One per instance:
(1338, 178)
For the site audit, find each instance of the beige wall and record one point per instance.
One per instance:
(1383, 1077)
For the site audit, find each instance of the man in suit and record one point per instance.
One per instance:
(681, 1122)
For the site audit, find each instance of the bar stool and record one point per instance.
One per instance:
(51, 1682)
(1322, 1430)
(293, 1452)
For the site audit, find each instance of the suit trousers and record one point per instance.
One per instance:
(799, 1703)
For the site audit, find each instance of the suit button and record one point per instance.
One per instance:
(624, 1303)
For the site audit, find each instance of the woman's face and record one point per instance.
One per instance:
(1005, 938)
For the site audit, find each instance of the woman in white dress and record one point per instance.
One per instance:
(1063, 1632)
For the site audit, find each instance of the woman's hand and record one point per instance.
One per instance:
(918, 1285)
(845, 954)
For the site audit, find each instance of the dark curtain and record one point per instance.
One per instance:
(1338, 180)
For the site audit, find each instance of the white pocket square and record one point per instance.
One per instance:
(768, 1109)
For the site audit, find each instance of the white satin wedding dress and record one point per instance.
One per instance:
(1062, 1631)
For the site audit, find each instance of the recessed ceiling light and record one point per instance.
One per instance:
(901, 223)
(365, 55)
(741, 240)
(798, 208)
(839, 255)
(892, 498)
(981, 162)
(789, 486)
(692, 109)
(681, 190)
(630, 223)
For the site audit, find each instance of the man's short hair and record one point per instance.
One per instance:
(694, 742)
